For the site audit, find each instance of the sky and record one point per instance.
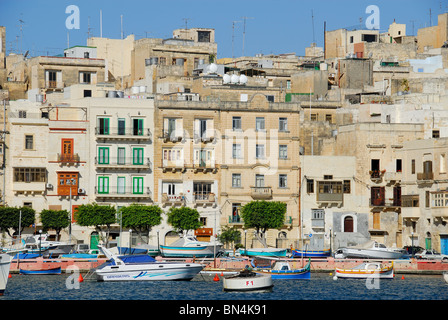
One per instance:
(272, 26)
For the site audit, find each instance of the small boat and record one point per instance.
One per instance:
(43, 271)
(310, 253)
(247, 280)
(366, 270)
(283, 270)
(143, 267)
(189, 247)
(5, 263)
(372, 250)
(264, 252)
(445, 276)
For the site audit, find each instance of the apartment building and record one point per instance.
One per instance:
(425, 193)
(187, 143)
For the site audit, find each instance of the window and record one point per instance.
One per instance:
(103, 155)
(288, 84)
(346, 186)
(121, 185)
(137, 156)
(398, 165)
(236, 123)
(171, 128)
(30, 174)
(351, 39)
(310, 185)
(409, 201)
(259, 151)
(137, 127)
(413, 166)
(259, 180)
(236, 151)
(103, 125)
(442, 163)
(435, 133)
(283, 151)
(85, 77)
(259, 124)
(103, 185)
(202, 190)
(29, 142)
(121, 159)
(313, 117)
(121, 126)
(22, 114)
(377, 196)
(137, 185)
(68, 183)
(236, 180)
(317, 214)
(282, 181)
(328, 117)
(330, 187)
(235, 213)
(283, 124)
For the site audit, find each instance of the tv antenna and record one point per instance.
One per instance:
(244, 30)
(21, 32)
(312, 24)
(233, 37)
(186, 22)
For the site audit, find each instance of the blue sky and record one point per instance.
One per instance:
(274, 26)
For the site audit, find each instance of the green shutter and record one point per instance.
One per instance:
(103, 184)
(137, 154)
(103, 155)
(137, 186)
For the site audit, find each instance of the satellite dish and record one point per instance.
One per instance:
(213, 68)
(234, 79)
(226, 78)
(243, 79)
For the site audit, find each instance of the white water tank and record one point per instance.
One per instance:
(234, 78)
(243, 79)
(226, 79)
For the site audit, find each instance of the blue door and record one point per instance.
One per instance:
(444, 244)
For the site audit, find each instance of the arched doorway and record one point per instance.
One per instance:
(348, 224)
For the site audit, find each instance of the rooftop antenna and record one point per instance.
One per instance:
(312, 22)
(244, 30)
(101, 23)
(88, 28)
(233, 36)
(430, 18)
(21, 32)
(186, 22)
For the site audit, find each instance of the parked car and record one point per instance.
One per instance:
(431, 255)
(413, 250)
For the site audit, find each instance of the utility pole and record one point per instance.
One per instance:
(244, 30)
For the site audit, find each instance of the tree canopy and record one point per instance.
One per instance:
(141, 218)
(10, 217)
(184, 219)
(97, 216)
(55, 219)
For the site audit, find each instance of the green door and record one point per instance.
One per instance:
(94, 240)
(137, 185)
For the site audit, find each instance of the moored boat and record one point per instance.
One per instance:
(372, 250)
(297, 253)
(189, 247)
(144, 267)
(264, 252)
(445, 276)
(366, 270)
(42, 271)
(283, 270)
(247, 280)
(5, 263)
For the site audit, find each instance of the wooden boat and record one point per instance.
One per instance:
(310, 253)
(264, 252)
(43, 271)
(5, 263)
(247, 280)
(283, 270)
(144, 268)
(366, 270)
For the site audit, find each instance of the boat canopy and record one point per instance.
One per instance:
(136, 259)
(369, 244)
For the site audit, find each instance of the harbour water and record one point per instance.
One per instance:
(321, 286)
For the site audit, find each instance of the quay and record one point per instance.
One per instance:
(411, 266)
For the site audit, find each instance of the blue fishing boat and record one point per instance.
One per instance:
(283, 270)
(310, 253)
(56, 270)
(264, 252)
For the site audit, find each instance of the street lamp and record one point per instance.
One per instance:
(245, 237)
(130, 240)
(72, 182)
(40, 242)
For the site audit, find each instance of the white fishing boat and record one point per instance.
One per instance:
(5, 262)
(247, 280)
(144, 268)
(372, 250)
(366, 270)
(188, 246)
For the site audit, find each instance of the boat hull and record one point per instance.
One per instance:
(310, 254)
(445, 276)
(186, 252)
(371, 254)
(254, 283)
(56, 270)
(264, 252)
(369, 270)
(5, 263)
(152, 272)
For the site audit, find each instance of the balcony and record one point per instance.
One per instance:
(376, 175)
(173, 165)
(205, 166)
(123, 163)
(261, 192)
(173, 136)
(129, 193)
(204, 199)
(173, 200)
(329, 199)
(236, 220)
(206, 137)
(54, 85)
(423, 177)
(118, 133)
(68, 158)
(29, 188)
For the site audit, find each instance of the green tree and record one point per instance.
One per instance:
(55, 219)
(141, 218)
(229, 236)
(184, 219)
(263, 215)
(10, 216)
(98, 216)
